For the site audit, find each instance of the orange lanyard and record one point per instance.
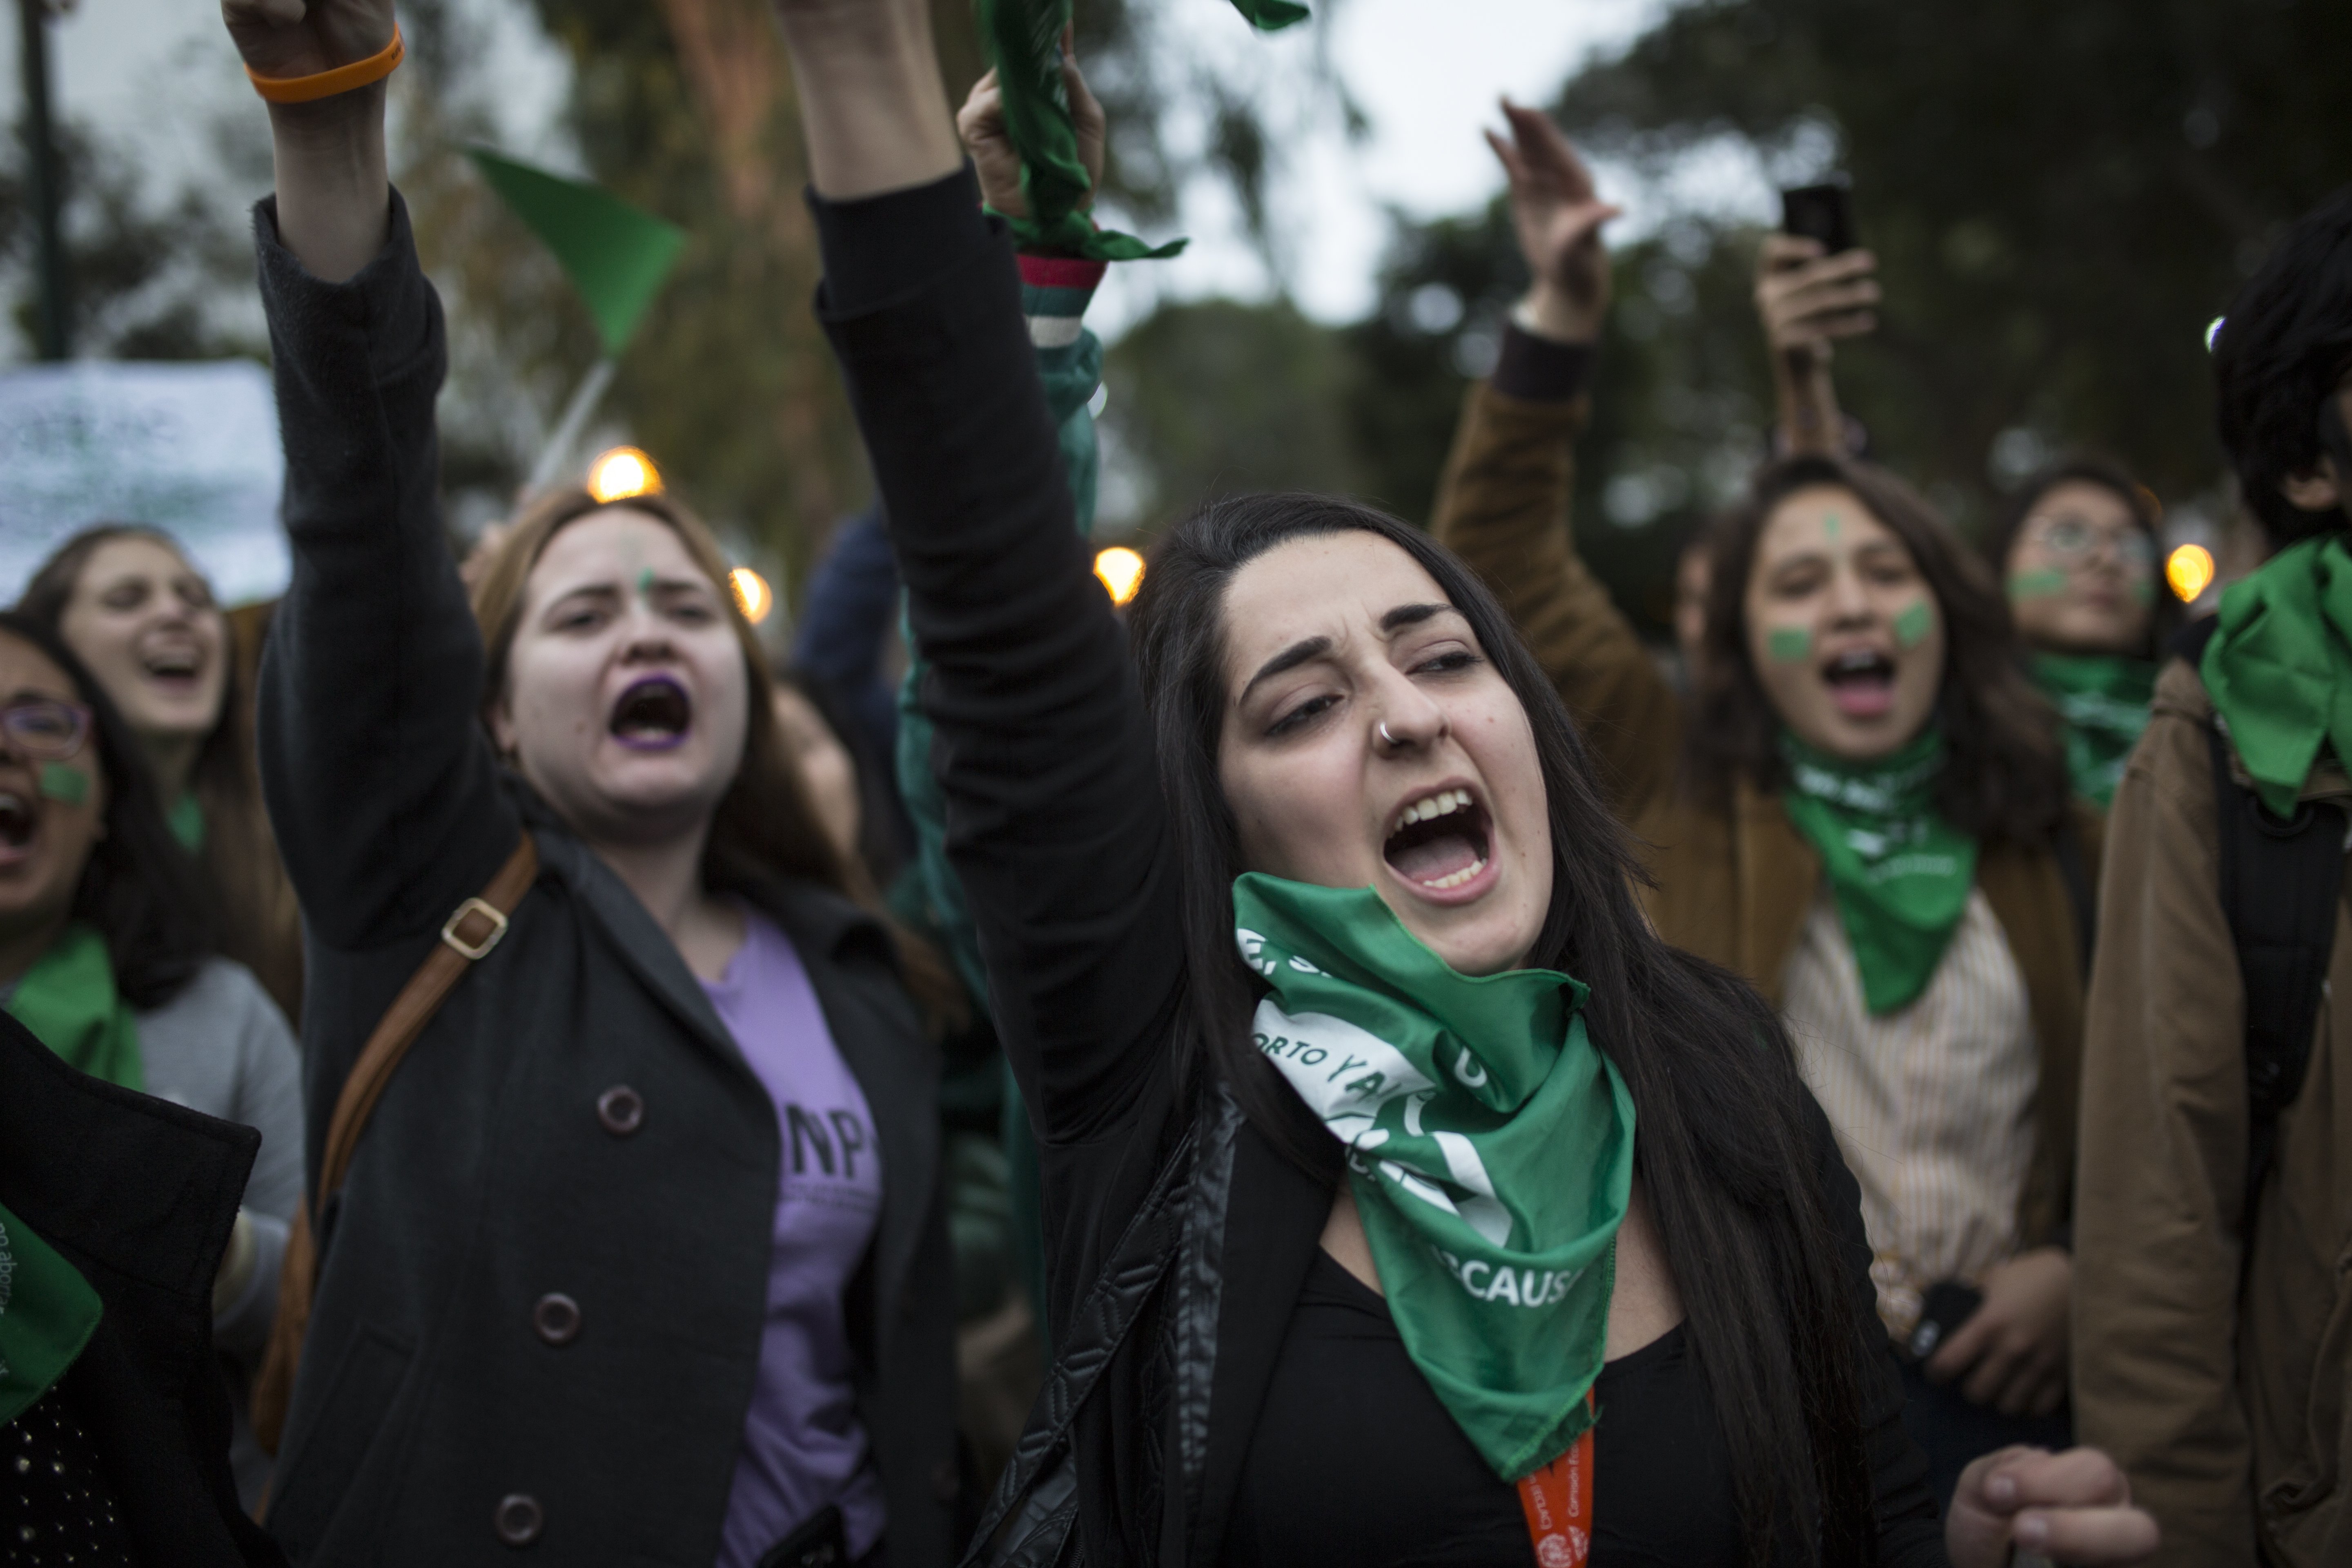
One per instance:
(1558, 1501)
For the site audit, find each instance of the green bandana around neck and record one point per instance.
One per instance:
(186, 820)
(1901, 874)
(2279, 668)
(1024, 41)
(46, 1312)
(67, 999)
(2104, 699)
(1490, 1150)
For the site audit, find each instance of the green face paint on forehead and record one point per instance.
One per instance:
(1830, 522)
(1787, 644)
(1911, 625)
(644, 582)
(64, 783)
(2039, 584)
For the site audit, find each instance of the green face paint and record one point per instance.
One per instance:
(1787, 644)
(1911, 625)
(646, 583)
(63, 783)
(1830, 525)
(2038, 585)
(2143, 592)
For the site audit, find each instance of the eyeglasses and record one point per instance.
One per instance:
(44, 727)
(2074, 539)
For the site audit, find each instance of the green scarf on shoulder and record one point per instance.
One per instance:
(46, 1312)
(1901, 874)
(1490, 1150)
(2104, 699)
(67, 999)
(2279, 668)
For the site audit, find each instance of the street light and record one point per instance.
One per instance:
(2190, 571)
(752, 594)
(621, 473)
(1121, 571)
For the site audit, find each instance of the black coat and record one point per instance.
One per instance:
(1058, 825)
(139, 1195)
(434, 1388)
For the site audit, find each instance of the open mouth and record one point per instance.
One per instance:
(653, 715)
(18, 819)
(1861, 682)
(1440, 841)
(172, 666)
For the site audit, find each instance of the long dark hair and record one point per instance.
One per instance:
(2004, 777)
(249, 901)
(2109, 475)
(138, 887)
(1725, 1151)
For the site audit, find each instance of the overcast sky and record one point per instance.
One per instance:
(1426, 72)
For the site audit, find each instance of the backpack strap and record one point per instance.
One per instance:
(469, 933)
(2281, 879)
(1041, 1491)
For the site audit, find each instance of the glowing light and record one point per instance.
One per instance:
(2190, 570)
(752, 594)
(1121, 571)
(2213, 331)
(623, 472)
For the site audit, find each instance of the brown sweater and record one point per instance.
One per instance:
(2218, 1372)
(1734, 887)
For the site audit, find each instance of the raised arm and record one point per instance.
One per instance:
(1807, 300)
(382, 790)
(1053, 811)
(1503, 506)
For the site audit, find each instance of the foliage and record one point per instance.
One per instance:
(2060, 197)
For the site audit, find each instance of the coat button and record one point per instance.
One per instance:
(622, 1109)
(519, 1518)
(556, 1318)
(944, 1485)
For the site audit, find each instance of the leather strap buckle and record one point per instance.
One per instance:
(473, 951)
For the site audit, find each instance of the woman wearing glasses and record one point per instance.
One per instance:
(103, 955)
(2077, 548)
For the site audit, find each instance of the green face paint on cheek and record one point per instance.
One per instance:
(1787, 644)
(2038, 585)
(66, 784)
(1911, 625)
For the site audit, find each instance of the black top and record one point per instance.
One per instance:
(1056, 827)
(487, 1181)
(1354, 1460)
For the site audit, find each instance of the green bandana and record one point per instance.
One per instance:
(1490, 1150)
(2279, 668)
(1023, 40)
(46, 1312)
(67, 999)
(186, 820)
(2104, 699)
(1900, 872)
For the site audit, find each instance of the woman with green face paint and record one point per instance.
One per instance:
(104, 957)
(1863, 810)
(2077, 547)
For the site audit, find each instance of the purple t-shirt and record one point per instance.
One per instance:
(803, 1445)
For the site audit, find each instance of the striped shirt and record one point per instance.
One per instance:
(1933, 1104)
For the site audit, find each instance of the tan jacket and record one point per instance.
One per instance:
(1734, 887)
(2228, 1408)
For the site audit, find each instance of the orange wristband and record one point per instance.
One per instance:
(326, 84)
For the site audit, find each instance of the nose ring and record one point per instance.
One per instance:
(1385, 736)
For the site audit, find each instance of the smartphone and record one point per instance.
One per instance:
(1824, 212)
(1947, 1305)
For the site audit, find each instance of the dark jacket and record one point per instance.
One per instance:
(495, 1175)
(1735, 885)
(139, 1195)
(1057, 826)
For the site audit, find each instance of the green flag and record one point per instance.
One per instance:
(615, 254)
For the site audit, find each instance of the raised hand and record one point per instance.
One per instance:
(288, 38)
(2073, 1507)
(1559, 220)
(1807, 299)
(980, 125)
